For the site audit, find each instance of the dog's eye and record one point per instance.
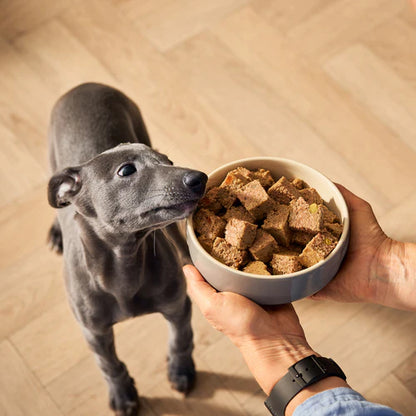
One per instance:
(127, 170)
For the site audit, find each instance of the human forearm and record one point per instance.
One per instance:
(269, 362)
(393, 275)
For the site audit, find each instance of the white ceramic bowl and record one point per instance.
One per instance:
(269, 290)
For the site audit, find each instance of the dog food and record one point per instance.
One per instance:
(258, 225)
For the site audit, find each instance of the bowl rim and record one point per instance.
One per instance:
(343, 238)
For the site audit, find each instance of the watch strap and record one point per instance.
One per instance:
(302, 374)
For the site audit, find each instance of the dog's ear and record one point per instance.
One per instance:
(63, 186)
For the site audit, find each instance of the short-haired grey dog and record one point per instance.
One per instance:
(123, 252)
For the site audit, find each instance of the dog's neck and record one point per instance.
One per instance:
(111, 257)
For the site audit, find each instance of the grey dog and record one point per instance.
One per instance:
(123, 250)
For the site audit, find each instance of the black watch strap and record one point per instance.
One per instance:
(302, 374)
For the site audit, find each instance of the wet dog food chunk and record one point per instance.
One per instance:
(283, 191)
(277, 224)
(284, 263)
(217, 198)
(228, 254)
(299, 183)
(237, 178)
(208, 224)
(255, 199)
(311, 196)
(301, 237)
(305, 217)
(240, 213)
(317, 249)
(335, 229)
(264, 177)
(239, 233)
(263, 246)
(256, 267)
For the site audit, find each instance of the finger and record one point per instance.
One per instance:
(353, 201)
(199, 289)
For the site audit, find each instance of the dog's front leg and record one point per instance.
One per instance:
(124, 399)
(181, 368)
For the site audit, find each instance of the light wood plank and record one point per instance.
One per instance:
(344, 22)
(406, 373)
(284, 15)
(51, 50)
(372, 82)
(52, 343)
(17, 162)
(400, 222)
(395, 43)
(225, 361)
(19, 16)
(391, 392)
(25, 102)
(20, 392)
(374, 335)
(335, 315)
(168, 23)
(28, 289)
(25, 224)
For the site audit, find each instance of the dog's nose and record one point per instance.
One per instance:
(195, 180)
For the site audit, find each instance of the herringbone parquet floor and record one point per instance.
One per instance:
(331, 83)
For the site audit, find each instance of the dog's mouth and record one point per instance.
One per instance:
(181, 210)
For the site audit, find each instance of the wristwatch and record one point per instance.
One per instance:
(302, 374)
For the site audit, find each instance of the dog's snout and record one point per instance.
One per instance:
(195, 180)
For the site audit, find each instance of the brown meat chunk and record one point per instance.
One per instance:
(317, 249)
(263, 247)
(301, 237)
(305, 217)
(276, 223)
(283, 191)
(255, 199)
(299, 183)
(264, 177)
(285, 263)
(237, 178)
(208, 224)
(329, 216)
(335, 229)
(311, 196)
(228, 254)
(211, 200)
(239, 233)
(240, 213)
(256, 267)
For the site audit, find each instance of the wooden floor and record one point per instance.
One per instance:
(331, 83)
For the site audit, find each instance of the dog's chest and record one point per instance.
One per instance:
(146, 283)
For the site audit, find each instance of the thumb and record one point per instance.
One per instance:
(201, 292)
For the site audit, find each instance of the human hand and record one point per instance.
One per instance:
(357, 279)
(270, 338)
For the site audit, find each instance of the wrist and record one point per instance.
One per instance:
(269, 360)
(304, 379)
(391, 275)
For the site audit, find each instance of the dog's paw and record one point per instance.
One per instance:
(55, 238)
(124, 400)
(182, 379)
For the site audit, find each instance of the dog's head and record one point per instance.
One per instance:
(128, 188)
